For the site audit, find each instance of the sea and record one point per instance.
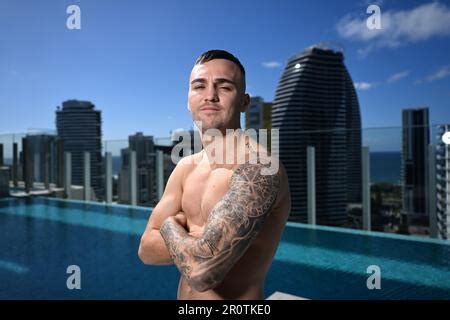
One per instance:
(384, 167)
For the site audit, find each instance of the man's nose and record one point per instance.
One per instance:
(211, 93)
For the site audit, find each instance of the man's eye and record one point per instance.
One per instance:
(198, 87)
(227, 88)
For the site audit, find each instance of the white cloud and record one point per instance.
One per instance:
(441, 73)
(398, 27)
(363, 85)
(271, 64)
(397, 76)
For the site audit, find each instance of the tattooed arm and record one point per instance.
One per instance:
(232, 225)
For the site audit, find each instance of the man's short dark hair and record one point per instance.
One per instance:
(221, 54)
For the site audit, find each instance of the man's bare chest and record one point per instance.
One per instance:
(202, 190)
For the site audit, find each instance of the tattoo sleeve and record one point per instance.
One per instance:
(232, 225)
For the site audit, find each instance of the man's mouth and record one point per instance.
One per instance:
(209, 109)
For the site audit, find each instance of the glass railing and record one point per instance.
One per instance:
(391, 179)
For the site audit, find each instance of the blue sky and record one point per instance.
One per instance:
(132, 59)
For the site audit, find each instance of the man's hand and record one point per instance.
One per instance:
(181, 219)
(196, 231)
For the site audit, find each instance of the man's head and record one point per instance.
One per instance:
(217, 90)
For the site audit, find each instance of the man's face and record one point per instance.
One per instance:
(216, 94)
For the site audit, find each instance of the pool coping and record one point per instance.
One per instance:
(102, 204)
(368, 233)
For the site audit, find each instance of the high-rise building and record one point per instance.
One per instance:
(316, 105)
(144, 147)
(43, 156)
(253, 115)
(146, 178)
(123, 185)
(79, 124)
(414, 168)
(259, 116)
(4, 181)
(443, 184)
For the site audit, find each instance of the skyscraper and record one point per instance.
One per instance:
(79, 126)
(123, 185)
(259, 116)
(43, 156)
(414, 167)
(443, 185)
(146, 169)
(316, 105)
(144, 147)
(4, 181)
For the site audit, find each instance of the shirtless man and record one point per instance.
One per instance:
(220, 223)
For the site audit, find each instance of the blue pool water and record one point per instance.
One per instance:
(41, 237)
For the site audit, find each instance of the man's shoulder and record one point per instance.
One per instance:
(272, 176)
(264, 164)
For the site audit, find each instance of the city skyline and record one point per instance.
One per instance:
(133, 63)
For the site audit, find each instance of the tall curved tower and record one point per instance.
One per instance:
(316, 105)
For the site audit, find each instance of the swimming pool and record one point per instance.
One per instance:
(41, 237)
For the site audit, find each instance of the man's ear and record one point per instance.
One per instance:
(245, 103)
(189, 108)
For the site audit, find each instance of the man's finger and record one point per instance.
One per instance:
(181, 219)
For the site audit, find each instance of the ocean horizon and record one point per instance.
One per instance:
(384, 166)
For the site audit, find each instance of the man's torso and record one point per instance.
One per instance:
(203, 188)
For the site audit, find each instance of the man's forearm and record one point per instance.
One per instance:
(153, 249)
(188, 253)
(177, 241)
